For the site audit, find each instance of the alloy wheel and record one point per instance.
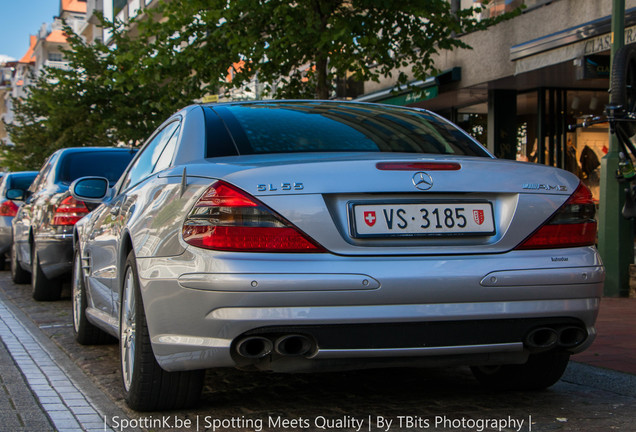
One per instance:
(77, 293)
(128, 329)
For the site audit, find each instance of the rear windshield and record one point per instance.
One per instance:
(21, 181)
(333, 127)
(109, 164)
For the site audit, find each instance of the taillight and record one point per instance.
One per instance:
(228, 219)
(69, 211)
(572, 225)
(8, 208)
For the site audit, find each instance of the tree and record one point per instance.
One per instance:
(299, 48)
(108, 95)
(182, 50)
(58, 111)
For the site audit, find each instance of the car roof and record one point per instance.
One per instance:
(91, 149)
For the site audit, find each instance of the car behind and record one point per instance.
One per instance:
(13, 184)
(42, 248)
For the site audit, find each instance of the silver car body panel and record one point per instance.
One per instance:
(198, 302)
(216, 316)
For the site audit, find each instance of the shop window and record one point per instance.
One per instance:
(476, 124)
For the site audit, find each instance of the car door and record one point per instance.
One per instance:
(103, 245)
(23, 221)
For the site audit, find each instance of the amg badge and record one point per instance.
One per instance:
(545, 187)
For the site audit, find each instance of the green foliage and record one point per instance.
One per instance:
(300, 48)
(110, 95)
(183, 49)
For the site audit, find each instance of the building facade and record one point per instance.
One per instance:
(517, 90)
(7, 67)
(525, 80)
(45, 50)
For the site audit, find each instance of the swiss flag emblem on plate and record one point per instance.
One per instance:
(478, 216)
(369, 218)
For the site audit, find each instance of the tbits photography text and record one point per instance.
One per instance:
(346, 423)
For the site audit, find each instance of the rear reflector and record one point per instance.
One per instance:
(571, 226)
(418, 166)
(246, 239)
(226, 218)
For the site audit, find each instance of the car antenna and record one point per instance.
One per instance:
(184, 181)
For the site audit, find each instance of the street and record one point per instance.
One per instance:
(449, 399)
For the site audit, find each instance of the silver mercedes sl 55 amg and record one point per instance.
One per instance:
(309, 235)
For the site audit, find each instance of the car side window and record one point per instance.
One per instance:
(165, 159)
(40, 180)
(148, 157)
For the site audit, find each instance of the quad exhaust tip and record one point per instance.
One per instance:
(571, 336)
(542, 338)
(545, 338)
(254, 347)
(291, 345)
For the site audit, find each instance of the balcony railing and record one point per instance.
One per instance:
(64, 65)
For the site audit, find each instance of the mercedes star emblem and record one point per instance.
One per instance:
(422, 181)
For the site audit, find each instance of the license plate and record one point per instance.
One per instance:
(422, 219)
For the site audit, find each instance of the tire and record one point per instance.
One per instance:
(539, 372)
(43, 288)
(85, 332)
(623, 84)
(18, 274)
(147, 387)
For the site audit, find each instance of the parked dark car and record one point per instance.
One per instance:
(42, 247)
(12, 183)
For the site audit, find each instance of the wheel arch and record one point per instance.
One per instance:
(75, 237)
(126, 246)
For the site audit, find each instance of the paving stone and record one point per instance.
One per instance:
(17, 401)
(585, 401)
(47, 392)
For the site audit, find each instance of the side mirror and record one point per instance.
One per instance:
(89, 189)
(16, 194)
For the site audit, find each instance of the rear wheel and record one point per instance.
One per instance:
(147, 387)
(43, 288)
(85, 332)
(18, 274)
(539, 372)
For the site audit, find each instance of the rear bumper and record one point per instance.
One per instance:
(198, 307)
(5, 234)
(56, 254)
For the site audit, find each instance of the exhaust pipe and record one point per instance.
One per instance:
(293, 345)
(569, 337)
(542, 338)
(254, 347)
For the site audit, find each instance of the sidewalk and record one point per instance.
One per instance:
(40, 392)
(615, 344)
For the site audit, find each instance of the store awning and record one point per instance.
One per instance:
(573, 43)
(413, 92)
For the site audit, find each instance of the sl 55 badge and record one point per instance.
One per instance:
(295, 186)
